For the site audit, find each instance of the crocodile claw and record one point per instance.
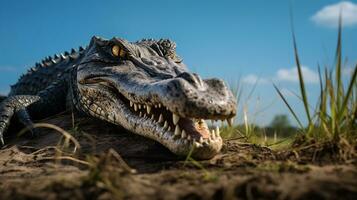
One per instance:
(2, 130)
(25, 119)
(4, 121)
(2, 140)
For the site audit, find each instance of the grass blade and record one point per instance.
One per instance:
(301, 82)
(288, 105)
(344, 106)
(332, 95)
(320, 105)
(339, 93)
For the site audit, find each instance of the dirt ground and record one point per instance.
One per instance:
(114, 164)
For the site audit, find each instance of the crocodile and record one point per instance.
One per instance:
(143, 86)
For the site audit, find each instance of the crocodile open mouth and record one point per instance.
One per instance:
(189, 130)
(179, 134)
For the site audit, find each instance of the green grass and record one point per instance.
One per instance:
(263, 136)
(335, 113)
(332, 118)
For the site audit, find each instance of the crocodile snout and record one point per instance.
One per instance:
(193, 79)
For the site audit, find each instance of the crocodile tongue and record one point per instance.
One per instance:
(196, 128)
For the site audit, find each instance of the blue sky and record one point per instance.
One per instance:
(245, 40)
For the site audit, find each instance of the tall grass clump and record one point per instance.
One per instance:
(335, 115)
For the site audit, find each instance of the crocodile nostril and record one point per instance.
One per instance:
(198, 79)
(193, 79)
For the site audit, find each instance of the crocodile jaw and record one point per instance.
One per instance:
(181, 135)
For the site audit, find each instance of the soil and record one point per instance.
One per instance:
(114, 164)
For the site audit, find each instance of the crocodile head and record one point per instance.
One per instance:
(145, 88)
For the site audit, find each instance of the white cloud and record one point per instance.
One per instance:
(329, 15)
(285, 75)
(254, 79)
(291, 75)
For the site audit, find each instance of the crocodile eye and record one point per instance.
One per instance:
(118, 52)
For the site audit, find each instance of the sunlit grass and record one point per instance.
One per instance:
(246, 130)
(257, 135)
(335, 114)
(333, 117)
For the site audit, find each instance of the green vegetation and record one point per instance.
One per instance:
(335, 114)
(333, 119)
(280, 122)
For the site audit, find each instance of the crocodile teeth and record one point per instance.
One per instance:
(161, 119)
(195, 144)
(139, 106)
(201, 140)
(131, 104)
(152, 117)
(148, 109)
(175, 118)
(230, 121)
(183, 133)
(213, 134)
(135, 107)
(165, 124)
(159, 105)
(207, 142)
(188, 137)
(178, 131)
(140, 114)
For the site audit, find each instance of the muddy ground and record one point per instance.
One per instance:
(41, 168)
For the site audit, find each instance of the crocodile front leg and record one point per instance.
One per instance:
(48, 102)
(10, 106)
